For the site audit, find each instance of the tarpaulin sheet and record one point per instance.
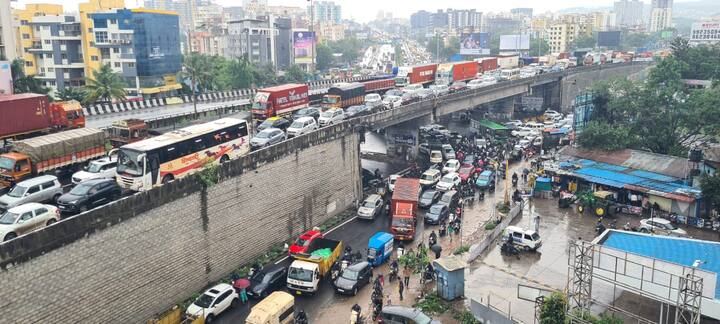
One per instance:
(52, 146)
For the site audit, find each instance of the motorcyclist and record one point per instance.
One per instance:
(301, 318)
(355, 313)
(433, 238)
(514, 179)
(394, 270)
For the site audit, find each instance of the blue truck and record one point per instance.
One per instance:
(380, 248)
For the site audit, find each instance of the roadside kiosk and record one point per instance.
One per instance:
(380, 248)
(450, 271)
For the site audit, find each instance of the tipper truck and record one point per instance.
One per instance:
(403, 208)
(280, 101)
(54, 152)
(305, 272)
(28, 114)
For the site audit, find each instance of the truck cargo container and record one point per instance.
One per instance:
(403, 208)
(280, 100)
(547, 60)
(62, 150)
(344, 95)
(420, 74)
(28, 114)
(447, 73)
(305, 272)
(508, 61)
(127, 131)
(486, 64)
(379, 85)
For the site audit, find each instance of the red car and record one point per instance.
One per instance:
(466, 171)
(303, 242)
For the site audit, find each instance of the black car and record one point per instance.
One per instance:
(274, 122)
(264, 283)
(357, 111)
(313, 112)
(429, 197)
(437, 214)
(353, 278)
(88, 195)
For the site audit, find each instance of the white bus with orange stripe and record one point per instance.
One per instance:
(158, 160)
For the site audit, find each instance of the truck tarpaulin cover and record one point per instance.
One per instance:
(43, 148)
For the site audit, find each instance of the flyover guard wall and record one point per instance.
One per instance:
(142, 254)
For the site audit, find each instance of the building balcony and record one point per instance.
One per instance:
(113, 43)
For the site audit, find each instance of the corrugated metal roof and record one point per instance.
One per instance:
(640, 160)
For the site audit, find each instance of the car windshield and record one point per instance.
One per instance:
(94, 167)
(484, 177)
(80, 190)
(422, 319)
(204, 301)
(301, 241)
(435, 154)
(327, 113)
(127, 162)
(466, 169)
(329, 100)
(297, 124)
(428, 194)
(446, 180)
(369, 204)
(451, 164)
(17, 192)
(670, 226)
(267, 123)
(427, 177)
(6, 163)
(371, 253)
(350, 274)
(300, 274)
(435, 209)
(263, 135)
(8, 218)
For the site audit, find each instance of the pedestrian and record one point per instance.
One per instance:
(406, 276)
(243, 296)
(401, 287)
(382, 279)
(451, 229)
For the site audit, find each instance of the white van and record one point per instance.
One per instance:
(278, 308)
(302, 125)
(373, 100)
(527, 239)
(436, 157)
(430, 177)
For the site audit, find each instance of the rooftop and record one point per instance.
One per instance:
(642, 160)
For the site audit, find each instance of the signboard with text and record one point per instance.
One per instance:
(303, 46)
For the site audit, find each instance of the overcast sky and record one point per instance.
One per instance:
(366, 10)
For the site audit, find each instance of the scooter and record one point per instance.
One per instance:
(393, 273)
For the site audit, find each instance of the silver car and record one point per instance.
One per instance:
(371, 207)
(40, 189)
(267, 137)
(26, 218)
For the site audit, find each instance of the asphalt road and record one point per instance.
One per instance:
(106, 120)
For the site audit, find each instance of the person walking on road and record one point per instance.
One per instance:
(243, 296)
(406, 276)
(401, 287)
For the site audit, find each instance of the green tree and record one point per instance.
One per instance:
(71, 93)
(583, 42)
(539, 47)
(630, 41)
(552, 310)
(105, 85)
(323, 57)
(265, 75)
(25, 83)
(604, 136)
(196, 68)
(238, 74)
(296, 74)
(710, 186)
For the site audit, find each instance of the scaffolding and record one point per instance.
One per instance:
(580, 276)
(689, 299)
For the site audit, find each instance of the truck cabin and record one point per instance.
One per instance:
(262, 106)
(331, 101)
(127, 131)
(68, 114)
(403, 227)
(13, 166)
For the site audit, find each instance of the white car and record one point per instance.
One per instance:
(523, 143)
(392, 101)
(549, 114)
(103, 168)
(373, 100)
(448, 151)
(26, 218)
(302, 125)
(391, 181)
(475, 84)
(331, 116)
(661, 226)
(447, 182)
(440, 89)
(451, 166)
(513, 124)
(213, 302)
(522, 131)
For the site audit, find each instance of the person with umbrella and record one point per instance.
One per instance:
(437, 249)
(241, 285)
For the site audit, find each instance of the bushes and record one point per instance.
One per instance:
(489, 226)
(461, 249)
(503, 207)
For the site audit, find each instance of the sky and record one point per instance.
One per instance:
(366, 10)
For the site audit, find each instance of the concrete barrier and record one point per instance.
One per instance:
(478, 248)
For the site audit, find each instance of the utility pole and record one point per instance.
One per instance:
(312, 28)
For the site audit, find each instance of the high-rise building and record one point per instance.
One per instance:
(254, 38)
(628, 12)
(142, 45)
(283, 43)
(25, 34)
(7, 33)
(660, 15)
(527, 12)
(464, 18)
(90, 51)
(420, 20)
(327, 31)
(604, 21)
(560, 36)
(323, 11)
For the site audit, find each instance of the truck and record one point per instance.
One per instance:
(344, 95)
(62, 151)
(379, 85)
(486, 64)
(127, 131)
(280, 101)
(422, 74)
(508, 61)
(28, 114)
(305, 272)
(403, 208)
(447, 73)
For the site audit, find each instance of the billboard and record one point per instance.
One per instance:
(5, 78)
(514, 42)
(608, 39)
(475, 44)
(303, 46)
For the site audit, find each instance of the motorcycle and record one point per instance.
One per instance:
(507, 248)
(393, 272)
(301, 318)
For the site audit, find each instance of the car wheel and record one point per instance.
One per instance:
(10, 236)
(580, 209)
(224, 159)
(234, 303)
(50, 222)
(210, 318)
(643, 230)
(167, 179)
(354, 292)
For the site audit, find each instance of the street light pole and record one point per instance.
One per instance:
(312, 28)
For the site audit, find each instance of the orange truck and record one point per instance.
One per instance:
(62, 151)
(28, 114)
(403, 208)
(127, 131)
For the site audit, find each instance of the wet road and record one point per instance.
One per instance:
(105, 120)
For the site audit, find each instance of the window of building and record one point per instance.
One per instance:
(116, 50)
(101, 37)
(117, 64)
(113, 21)
(40, 55)
(51, 83)
(46, 27)
(37, 28)
(63, 56)
(42, 70)
(24, 22)
(100, 23)
(51, 69)
(94, 58)
(48, 55)
(90, 30)
(26, 36)
(28, 63)
(131, 64)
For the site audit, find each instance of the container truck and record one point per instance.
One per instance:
(28, 114)
(403, 208)
(447, 73)
(344, 95)
(379, 85)
(419, 74)
(508, 61)
(280, 100)
(305, 272)
(53, 152)
(486, 64)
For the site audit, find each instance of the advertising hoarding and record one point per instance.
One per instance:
(608, 39)
(475, 44)
(303, 46)
(514, 42)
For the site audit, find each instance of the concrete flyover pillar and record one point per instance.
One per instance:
(402, 139)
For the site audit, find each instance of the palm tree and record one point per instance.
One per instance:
(197, 69)
(25, 83)
(105, 86)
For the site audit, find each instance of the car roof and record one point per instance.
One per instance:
(520, 229)
(104, 160)
(658, 220)
(25, 207)
(269, 129)
(359, 266)
(402, 311)
(218, 289)
(486, 172)
(373, 197)
(450, 175)
(304, 118)
(37, 180)
(432, 171)
(92, 182)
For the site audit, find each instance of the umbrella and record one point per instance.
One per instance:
(436, 248)
(241, 283)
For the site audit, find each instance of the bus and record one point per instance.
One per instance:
(161, 159)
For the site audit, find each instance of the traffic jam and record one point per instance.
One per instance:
(53, 167)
